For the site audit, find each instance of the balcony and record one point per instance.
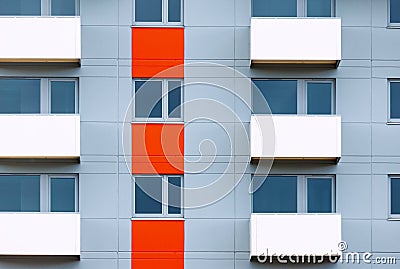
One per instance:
(295, 234)
(295, 137)
(40, 136)
(296, 41)
(44, 234)
(40, 39)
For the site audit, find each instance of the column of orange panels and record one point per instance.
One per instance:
(157, 148)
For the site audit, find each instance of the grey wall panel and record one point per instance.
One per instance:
(98, 196)
(385, 140)
(356, 43)
(99, 12)
(383, 239)
(385, 42)
(242, 12)
(99, 235)
(209, 13)
(242, 43)
(356, 139)
(360, 240)
(124, 235)
(95, 134)
(380, 197)
(345, 10)
(379, 13)
(99, 42)
(380, 101)
(125, 194)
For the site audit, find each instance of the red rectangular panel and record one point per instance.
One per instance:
(157, 148)
(155, 50)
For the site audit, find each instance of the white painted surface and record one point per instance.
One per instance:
(295, 136)
(40, 38)
(40, 136)
(295, 234)
(40, 234)
(295, 39)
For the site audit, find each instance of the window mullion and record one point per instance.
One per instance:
(165, 195)
(165, 99)
(44, 194)
(165, 11)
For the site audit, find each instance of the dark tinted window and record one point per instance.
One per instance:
(281, 96)
(319, 195)
(319, 98)
(20, 8)
(148, 10)
(63, 97)
(277, 194)
(19, 193)
(319, 8)
(174, 10)
(395, 195)
(174, 195)
(395, 11)
(148, 195)
(63, 8)
(395, 100)
(62, 194)
(19, 96)
(274, 8)
(148, 99)
(174, 99)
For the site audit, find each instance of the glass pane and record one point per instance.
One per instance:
(148, 195)
(319, 98)
(319, 195)
(19, 193)
(277, 194)
(319, 8)
(395, 100)
(174, 195)
(395, 195)
(395, 11)
(148, 10)
(174, 10)
(63, 97)
(20, 8)
(148, 99)
(174, 99)
(281, 96)
(63, 8)
(62, 194)
(19, 96)
(274, 8)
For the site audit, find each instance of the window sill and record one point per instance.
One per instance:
(394, 218)
(155, 218)
(393, 26)
(157, 25)
(393, 123)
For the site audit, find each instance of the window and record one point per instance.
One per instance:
(38, 193)
(394, 101)
(35, 96)
(312, 97)
(293, 8)
(394, 12)
(158, 100)
(293, 194)
(38, 8)
(158, 12)
(395, 196)
(159, 196)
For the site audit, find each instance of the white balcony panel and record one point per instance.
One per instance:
(40, 39)
(295, 137)
(295, 234)
(40, 234)
(296, 40)
(40, 136)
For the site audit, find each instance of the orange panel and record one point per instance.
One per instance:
(157, 244)
(157, 148)
(155, 50)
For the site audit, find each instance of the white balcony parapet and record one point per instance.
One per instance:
(40, 136)
(295, 137)
(295, 41)
(40, 234)
(295, 235)
(40, 39)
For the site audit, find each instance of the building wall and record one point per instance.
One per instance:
(217, 235)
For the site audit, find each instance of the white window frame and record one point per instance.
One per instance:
(164, 102)
(389, 116)
(164, 203)
(302, 9)
(392, 216)
(302, 195)
(302, 94)
(45, 9)
(45, 191)
(45, 92)
(389, 23)
(164, 16)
